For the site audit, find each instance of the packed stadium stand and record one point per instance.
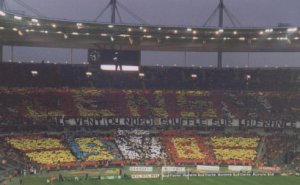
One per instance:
(63, 119)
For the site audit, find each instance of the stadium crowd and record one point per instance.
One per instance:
(39, 104)
(30, 106)
(137, 146)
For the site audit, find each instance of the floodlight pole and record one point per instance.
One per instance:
(221, 18)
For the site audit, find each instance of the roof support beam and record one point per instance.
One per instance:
(1, 53)
(221, 19)
(2, 4)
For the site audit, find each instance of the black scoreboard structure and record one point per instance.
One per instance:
(115, 60)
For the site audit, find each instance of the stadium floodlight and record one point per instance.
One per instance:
(248, 77)
(79, 25)
(2, 13)
(34, 73)
(20, 33)
(107, 67)
(270, 30)
(18, 18)
(34, 20)
(282, 38)
(110, 26)
(124, 35)
(175, 31)
(129, 29)
(194, 75)
(292, 30)
(235, 33)
(148, 36)
(159, 28)
(53, 25)
(88, 74)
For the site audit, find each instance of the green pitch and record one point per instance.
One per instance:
(37, 180)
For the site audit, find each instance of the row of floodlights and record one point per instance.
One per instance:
(35, 21)
(35, 73)
(112, 38)
(136, 68)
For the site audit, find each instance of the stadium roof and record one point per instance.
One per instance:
(30, 31)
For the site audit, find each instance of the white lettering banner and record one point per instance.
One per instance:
(144, 176)
(173, 169)
(239, 168)
(141, 168)
(208, 168)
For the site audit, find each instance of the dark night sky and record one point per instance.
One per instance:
(251, 13)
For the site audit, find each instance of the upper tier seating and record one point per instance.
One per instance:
(41, 104)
